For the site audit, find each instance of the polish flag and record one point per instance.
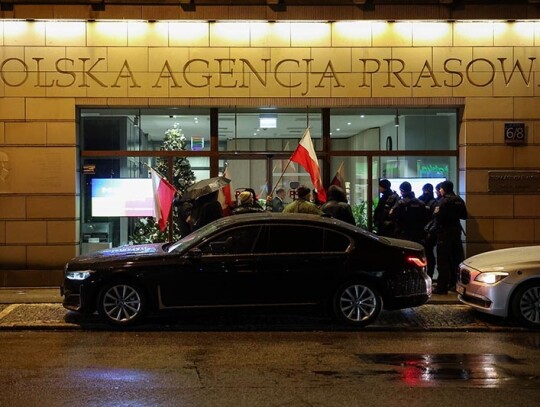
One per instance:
(339, 178)
(163, 198)
(306, 157)
(225, 196)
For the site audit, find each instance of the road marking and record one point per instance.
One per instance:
(8, 310)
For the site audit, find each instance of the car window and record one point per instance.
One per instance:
(294, 238)
(335, 241)
(238, 240)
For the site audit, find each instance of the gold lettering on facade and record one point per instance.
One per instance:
(459, 74)
(365, 71)
(127, 75)
(427, 72)
(391, 72)
(169, 74)
(65, 72)
(329, 73)
(517, 66)
(268, 73)
(88, 72)
(3, 77)
(277, 71)
(38, 74)
(187, 67)
(246, 63)
(470, 67)
(222, 72)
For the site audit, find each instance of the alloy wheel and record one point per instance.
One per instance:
(529, 305)
(358, 303)
(122, 303)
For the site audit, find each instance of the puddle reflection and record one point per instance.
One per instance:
(425, 370)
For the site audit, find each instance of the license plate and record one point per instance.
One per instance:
(460, 289)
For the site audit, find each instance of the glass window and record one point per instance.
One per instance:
(393, 129)
(117, 192)
(236, 241)
(267, 129)
(335, 242)
(293, 239)
(144, 129)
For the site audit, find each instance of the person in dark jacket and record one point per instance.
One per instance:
(184, 207)
(337, 206)
(410, 215)
(246, 200)
(448, 214)
(381, 215)
(430, 238)
(278, 202)
(206, 209)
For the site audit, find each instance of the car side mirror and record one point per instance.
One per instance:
(195, 254)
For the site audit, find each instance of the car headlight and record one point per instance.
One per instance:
(78, 275)
(491, 277)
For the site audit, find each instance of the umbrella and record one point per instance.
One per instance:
(205, 187)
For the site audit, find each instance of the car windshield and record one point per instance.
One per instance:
(193, 238)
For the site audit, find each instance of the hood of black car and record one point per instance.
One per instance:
(121, 253)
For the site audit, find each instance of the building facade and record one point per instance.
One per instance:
(89, 90)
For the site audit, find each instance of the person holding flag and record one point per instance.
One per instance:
(303, 204)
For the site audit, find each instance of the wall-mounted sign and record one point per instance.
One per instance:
(514, 182)
(514, 133)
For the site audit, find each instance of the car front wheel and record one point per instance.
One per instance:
(357, 303)
(122, 303)
(526, 304)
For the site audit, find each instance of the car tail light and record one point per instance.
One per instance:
(417, 261)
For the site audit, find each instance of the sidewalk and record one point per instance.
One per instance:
(41, 309)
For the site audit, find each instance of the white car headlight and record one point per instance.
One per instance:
(78, 275)
(491, 277)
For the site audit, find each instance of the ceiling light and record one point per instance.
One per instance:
(268, 121)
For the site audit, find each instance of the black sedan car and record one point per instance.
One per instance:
(256, 260)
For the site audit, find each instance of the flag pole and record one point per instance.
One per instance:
(288, 163)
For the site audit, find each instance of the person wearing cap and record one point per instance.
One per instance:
(246, 205)
(302, 204)
(410, 215)
(448, 214)
(381, 215)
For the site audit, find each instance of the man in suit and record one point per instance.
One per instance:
(278, 203)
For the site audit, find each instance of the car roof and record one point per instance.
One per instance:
(299, 218)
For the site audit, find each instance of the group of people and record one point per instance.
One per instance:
(433, 221)
(194, 214)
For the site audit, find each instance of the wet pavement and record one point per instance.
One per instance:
(41, 308)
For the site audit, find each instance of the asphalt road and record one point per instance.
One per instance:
(305, 369)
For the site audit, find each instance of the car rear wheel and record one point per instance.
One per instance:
(122, 303)
(526, 304)
(357, 303)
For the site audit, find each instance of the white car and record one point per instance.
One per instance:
(504, 283)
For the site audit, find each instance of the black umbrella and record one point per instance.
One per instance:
(205, 187)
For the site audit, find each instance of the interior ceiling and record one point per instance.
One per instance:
(288, 126)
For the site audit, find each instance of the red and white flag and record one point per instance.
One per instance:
(306, 157)
(339, 178)
(225, 196)
(163, 198)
